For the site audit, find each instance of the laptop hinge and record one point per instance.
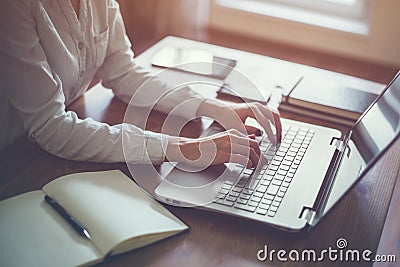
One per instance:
(338, 143)
(308, 214)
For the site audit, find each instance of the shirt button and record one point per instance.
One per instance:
(80, 45)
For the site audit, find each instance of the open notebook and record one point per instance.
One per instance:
(116, 212)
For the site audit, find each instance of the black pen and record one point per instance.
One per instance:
(71, 220)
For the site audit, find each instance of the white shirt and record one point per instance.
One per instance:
(48, 59)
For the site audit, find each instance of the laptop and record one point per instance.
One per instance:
(304, 177)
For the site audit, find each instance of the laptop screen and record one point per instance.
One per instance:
(377, 128)
(380, 125)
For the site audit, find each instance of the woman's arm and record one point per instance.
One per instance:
(132, 83)
(36, 93)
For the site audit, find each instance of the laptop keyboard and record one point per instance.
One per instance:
(262, 191)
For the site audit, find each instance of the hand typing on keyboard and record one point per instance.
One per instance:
(234, 115)
(236, 144)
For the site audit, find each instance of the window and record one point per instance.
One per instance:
(344, 15)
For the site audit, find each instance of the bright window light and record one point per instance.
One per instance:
(344, 15)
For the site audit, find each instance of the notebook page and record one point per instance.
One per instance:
(33, 234)
(112, 207)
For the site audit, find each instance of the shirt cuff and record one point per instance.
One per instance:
(155, 147)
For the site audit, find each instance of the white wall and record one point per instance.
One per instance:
(381, 45)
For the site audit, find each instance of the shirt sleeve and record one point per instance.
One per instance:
(135, 85)
(36, 93)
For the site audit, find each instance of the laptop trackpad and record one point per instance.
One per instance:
(187, 188)
(185, 176)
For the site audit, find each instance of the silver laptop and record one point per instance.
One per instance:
(305, 175)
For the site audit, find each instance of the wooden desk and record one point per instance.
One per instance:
(214, 239)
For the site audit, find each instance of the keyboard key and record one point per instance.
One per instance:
(231, 198)
(262, 211)
(281, 172)
(271, 172)
(284, 167)
(265, 182)
(275, 162)
(269, 177)
(234, 194)
(237, 189)
(224, 202)
(262, 188)
(251, 186)
(272, 189)
(240, 184)
(271, 213)
(258, 194)
(276, 182)
(247, 191)
(283, 149)
(255, 199)
(253, 203)
(266, 201)
(285, 184)
(279, 177)
(275, 204)
(226, 186)
(223, 191)
(280, 194)
(248, 171)
(273, 167)
(230, 182)
(242, 201)
(273, 208)
(264, 206)
(289, 158)
(280, 154)
(245, 207)
(244, 196)
(270, 197)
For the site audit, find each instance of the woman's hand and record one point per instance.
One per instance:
(228, 146)
(233, 116)
(235, 145)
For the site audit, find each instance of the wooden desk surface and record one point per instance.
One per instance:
(214, 239)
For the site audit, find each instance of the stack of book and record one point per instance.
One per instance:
(335, 100)
(320, 94)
